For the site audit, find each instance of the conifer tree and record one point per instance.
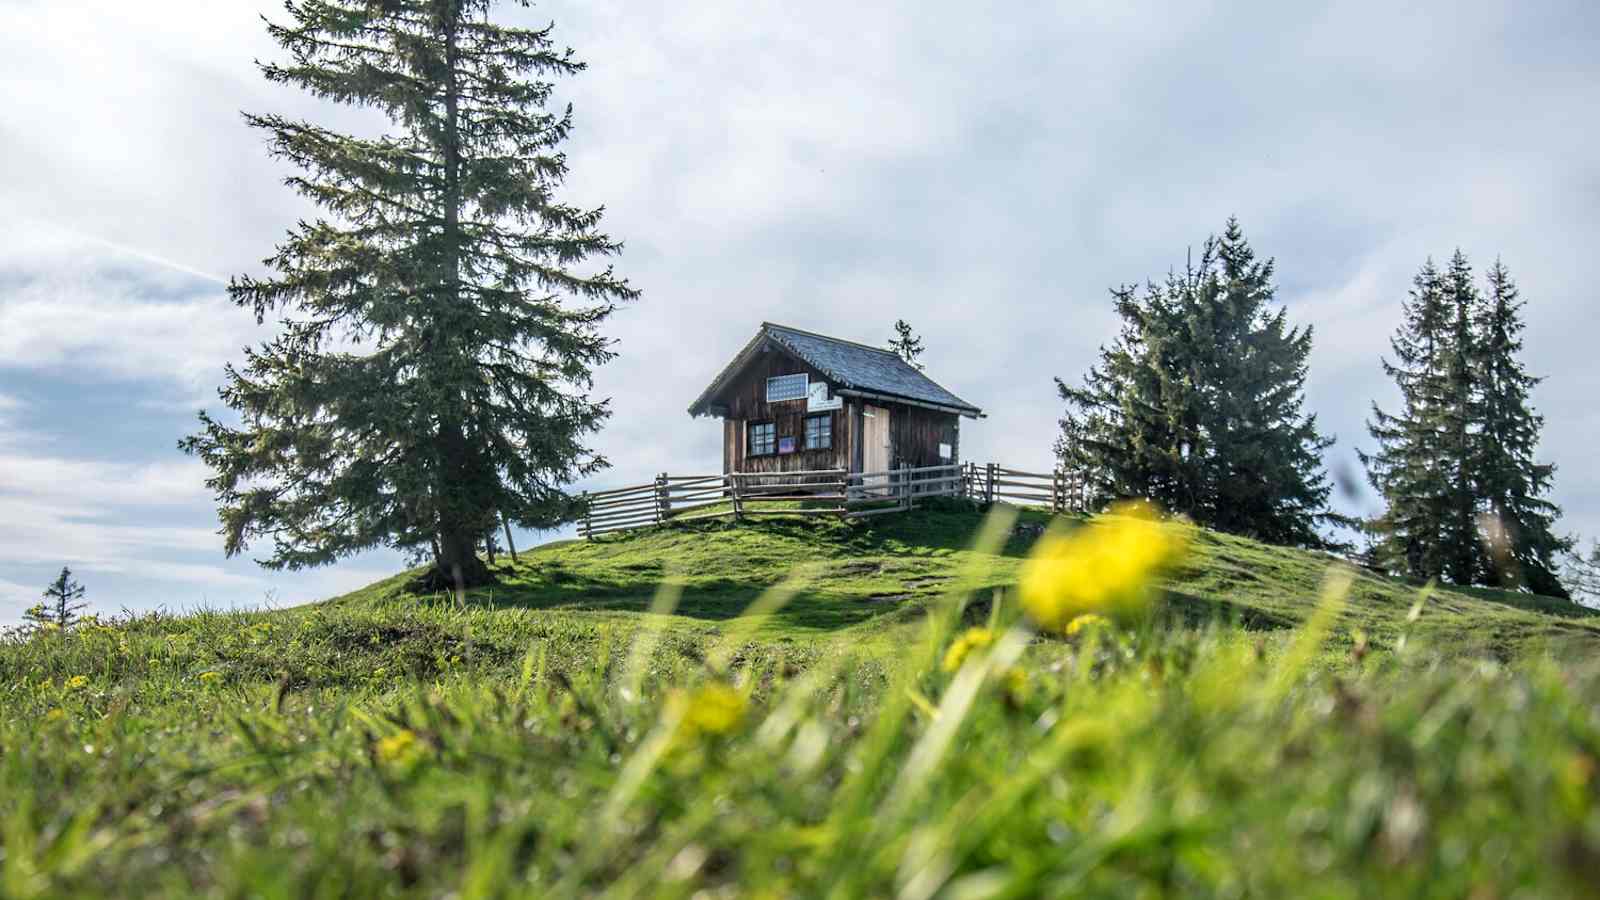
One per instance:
(63, 600)
(1458, 416)
(1404, 469)
(1525, 551)
(1455, 464)
(906, 343)
(1581, 574)
(1198, 404)
(440, 321)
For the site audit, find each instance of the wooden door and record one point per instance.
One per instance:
(875, 447)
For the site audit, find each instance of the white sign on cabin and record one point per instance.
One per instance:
(817, 399)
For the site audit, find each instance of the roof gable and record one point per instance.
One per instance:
(851, 366)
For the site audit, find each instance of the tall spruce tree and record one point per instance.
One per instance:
(906, 343)
(1408, 537)
(1455, 463)
(1458, 416)
(63, 601)
(1524, 549)
(1199, 403)
(440, 325)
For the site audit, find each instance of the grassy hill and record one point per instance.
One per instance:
(554, 736)
(875, 576)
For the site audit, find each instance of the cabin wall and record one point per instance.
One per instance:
(746, 401)
(916, 433)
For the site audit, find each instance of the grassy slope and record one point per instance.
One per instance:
(874, 576)
(267, 753)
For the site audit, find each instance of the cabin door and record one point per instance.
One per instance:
(875, 447)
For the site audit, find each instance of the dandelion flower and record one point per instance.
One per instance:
(714, 708)
(972, 639)
(209, 677)
(1105, 567)
(1083, 623)
(1015, 685)
(400, 747)
(77, 682)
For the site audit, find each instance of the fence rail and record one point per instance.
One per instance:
(822, 492)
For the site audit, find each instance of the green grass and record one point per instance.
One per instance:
(1243, 741)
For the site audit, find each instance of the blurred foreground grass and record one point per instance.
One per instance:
(556, 741)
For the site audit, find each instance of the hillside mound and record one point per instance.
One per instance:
(877, 574)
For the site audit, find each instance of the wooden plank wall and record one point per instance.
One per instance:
(917, 434)
(746, 401)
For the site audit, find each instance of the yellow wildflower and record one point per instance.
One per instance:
(1084, 622)
(972, 639)
(1104, 567)
(714, 708)
(397, 746)
(209, 677)
(77, 682)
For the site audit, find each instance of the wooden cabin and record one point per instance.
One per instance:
(795, 401)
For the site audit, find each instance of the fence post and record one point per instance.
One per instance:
(1058, 493)
(663, 499)
(988, 484)
(588, 526)
(738, 506)
(905, 486)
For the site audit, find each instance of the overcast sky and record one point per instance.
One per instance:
(985, 171)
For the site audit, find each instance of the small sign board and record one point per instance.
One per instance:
(946, 451)
(786, 445)
(817, 400)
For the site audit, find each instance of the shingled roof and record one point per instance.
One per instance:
(852, 367)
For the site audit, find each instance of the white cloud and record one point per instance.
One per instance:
(81, 309)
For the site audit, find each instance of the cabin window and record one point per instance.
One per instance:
(787, 387)
(763, 439)
(819, 432)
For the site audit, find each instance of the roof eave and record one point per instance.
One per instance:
(971, 412)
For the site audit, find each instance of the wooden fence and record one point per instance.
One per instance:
(823, 492)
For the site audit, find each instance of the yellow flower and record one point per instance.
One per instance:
(209, 677)
(77, 682)
(1015, 684)
(971, 640)
(399, 747)
(714, 708)
(1084, 622)
(1104, 567)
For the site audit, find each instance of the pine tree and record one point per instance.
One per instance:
(1581, 573)
(1130, 429)
(439, 327)
(63, 600)
(1524, 550)
(906, 343)
(1456, 464)
(1198, 404)
(1458, 417)
(1263, 469)
(1409, 537)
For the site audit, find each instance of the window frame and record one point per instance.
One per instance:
(804, 379)
(825, 431)
(751, 444)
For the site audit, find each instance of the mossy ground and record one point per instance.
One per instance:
(530, 741)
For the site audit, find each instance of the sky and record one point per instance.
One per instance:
(986, 171)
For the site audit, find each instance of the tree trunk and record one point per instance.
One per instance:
(458, 567)
(510, 544)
